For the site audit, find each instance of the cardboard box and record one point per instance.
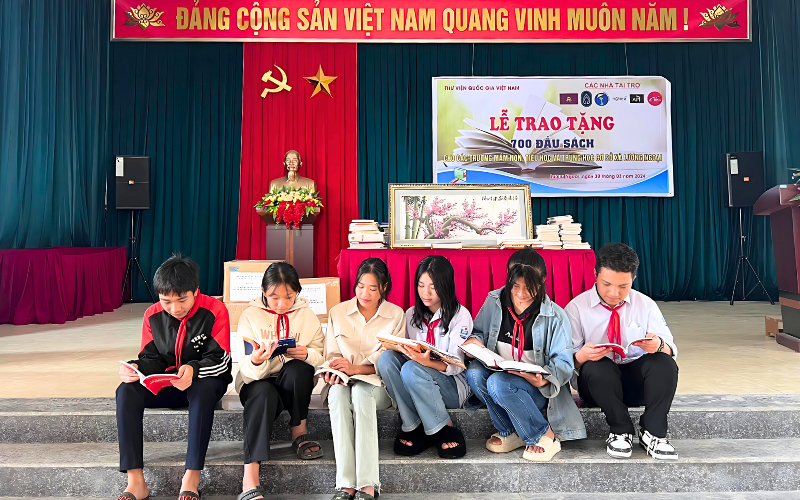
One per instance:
(773, 325)
(314, 289)
(243, 279)
(235, 310)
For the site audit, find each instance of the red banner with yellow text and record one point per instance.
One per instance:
(432, 20)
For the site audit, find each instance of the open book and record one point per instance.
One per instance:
(283, 345)
(370, 379)
(154, 383)
(622, 351)
(393, 342)
(484, 141)
(494, 361)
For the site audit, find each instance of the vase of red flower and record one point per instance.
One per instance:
(292, 207)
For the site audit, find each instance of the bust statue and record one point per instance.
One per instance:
(292, 161)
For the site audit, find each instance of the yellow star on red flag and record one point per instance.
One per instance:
(320, 81)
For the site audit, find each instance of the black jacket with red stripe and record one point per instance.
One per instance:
(202, 340)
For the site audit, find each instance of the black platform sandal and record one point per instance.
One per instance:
(450, 434)
(419, 442)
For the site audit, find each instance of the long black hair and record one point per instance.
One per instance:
(380, 270)
(441, 273)
(280, 273)
(526, 263)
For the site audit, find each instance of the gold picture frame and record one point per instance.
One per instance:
(472, 214)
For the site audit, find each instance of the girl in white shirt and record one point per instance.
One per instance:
(424, 388)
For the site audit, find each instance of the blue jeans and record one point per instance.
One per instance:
(514, 404)
(422, 394)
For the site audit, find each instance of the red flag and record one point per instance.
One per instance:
(322, 128)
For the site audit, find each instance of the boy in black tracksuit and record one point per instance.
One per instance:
(186, 333)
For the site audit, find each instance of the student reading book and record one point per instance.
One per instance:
(520, 323)
(352, 348)
(611, 312)
(268, 383)
(188, 334)
(424, 388)
(154, 382)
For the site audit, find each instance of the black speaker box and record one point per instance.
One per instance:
(744, 177)
(133, 182)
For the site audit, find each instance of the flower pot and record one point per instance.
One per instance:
(268, 218)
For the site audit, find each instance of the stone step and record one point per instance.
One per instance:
(712, 465)
(694, 495)
(93, 420)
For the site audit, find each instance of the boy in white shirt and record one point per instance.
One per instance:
(612, 312)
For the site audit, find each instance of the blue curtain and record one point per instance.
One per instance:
(54, 147)
(181, 105)
(688, 244)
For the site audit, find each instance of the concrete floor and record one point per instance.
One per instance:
(723, 350)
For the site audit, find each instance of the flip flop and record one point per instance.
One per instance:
(252, 493)
(127, 495)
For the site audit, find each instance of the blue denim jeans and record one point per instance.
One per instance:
(514, 404)
(422, 394)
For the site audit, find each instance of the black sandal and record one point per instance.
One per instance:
(450, 434)
(419, 442)
(189, 495)
(253, 493)
(342, 495)
(302, 450)
(127, 495)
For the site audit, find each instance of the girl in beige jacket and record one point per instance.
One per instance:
(351, 347)
(269, 384)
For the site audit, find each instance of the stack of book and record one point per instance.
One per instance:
(569, 232)
(515, 244)
(548, 236)
(364, 233)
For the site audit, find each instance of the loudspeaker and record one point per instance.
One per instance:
(744, 176)
(133, 182)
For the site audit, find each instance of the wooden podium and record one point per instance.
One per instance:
(784, 218)
(295, 246)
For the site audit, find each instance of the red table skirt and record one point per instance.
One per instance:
(477, 272)
(56, 285)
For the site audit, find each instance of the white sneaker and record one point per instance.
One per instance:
(658, 448)
(619, 445)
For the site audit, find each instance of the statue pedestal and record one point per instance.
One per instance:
(295, 246)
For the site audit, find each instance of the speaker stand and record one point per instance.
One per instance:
(134, 259)
(740, 265)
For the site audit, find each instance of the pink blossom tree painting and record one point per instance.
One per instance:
(439, 219)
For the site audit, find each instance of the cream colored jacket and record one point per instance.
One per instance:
(352, 338)
(258, 324)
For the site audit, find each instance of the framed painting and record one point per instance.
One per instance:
(475, 215)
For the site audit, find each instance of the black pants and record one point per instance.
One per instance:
(650, 381)
(132, 398)
(264, 400)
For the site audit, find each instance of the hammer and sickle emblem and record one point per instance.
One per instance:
(280, 84)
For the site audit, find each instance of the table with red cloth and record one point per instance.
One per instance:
(56, 285)
(477, 272)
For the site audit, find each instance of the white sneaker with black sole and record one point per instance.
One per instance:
(658, 448)
(619, 445)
